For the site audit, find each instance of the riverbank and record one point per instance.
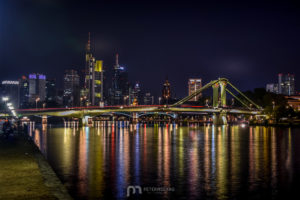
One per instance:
(24, 173)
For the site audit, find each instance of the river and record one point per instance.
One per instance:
(169, 162)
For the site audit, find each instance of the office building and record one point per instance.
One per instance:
(120, 85)
(37, 88)
(286, 84)
(136, 93)
(272, 87)
(71, 94)
(10, 89)
(24, 92)
(93, 84)
(51, 94)
(194, 84)
(148, 99)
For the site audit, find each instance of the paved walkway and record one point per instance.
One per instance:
(24, 173)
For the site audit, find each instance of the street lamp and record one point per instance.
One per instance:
(5, 99)
(36, 101)
(273, 102)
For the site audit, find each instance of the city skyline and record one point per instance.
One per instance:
(200, 40)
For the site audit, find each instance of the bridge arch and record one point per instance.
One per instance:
(114, 113)
(173, 115)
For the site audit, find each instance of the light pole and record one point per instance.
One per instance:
(36, 102)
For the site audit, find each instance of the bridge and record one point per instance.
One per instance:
(219, 109)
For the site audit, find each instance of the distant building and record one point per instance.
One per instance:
(148, 99)
(286, 84)
(71, 94)
(93, 85)
(272, 87)
(51, 92)
(37, 88)
(194, 84)
(294, 102)
(119, 91)
(136, 93)
(166, 92)
(10, 89)
(24, 92)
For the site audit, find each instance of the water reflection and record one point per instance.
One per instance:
(199, 162)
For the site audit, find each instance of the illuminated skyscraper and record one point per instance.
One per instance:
(194, 84)
(166, 92)
(120, 85)
(93, 84)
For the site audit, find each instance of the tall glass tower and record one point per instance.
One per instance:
(93, 85)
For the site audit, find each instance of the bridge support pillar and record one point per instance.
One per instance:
(84, 121)
(220, 119)
(44, 119)
(135, 117)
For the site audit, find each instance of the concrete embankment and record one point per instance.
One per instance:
(25, 174)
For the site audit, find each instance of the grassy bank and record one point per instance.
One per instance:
(20, 171)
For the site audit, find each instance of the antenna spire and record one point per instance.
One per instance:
(117, 59)
(88, 47)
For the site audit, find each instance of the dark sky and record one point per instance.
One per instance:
(247, 43)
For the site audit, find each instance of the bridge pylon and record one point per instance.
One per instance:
(215, 88)
(223, 84)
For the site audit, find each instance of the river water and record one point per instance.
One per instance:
(205, 162)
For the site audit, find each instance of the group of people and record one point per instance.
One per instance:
(7, 128)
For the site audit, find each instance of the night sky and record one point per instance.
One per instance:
(247, 43)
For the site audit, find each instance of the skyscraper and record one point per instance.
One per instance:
(51, 92)
(93, 85)
(194, 84)
(286, 84)
(166, 92)
(289, 83)
(135, 94)
(71, 95)
(120, 84)
(24, 92)
(37, 87)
